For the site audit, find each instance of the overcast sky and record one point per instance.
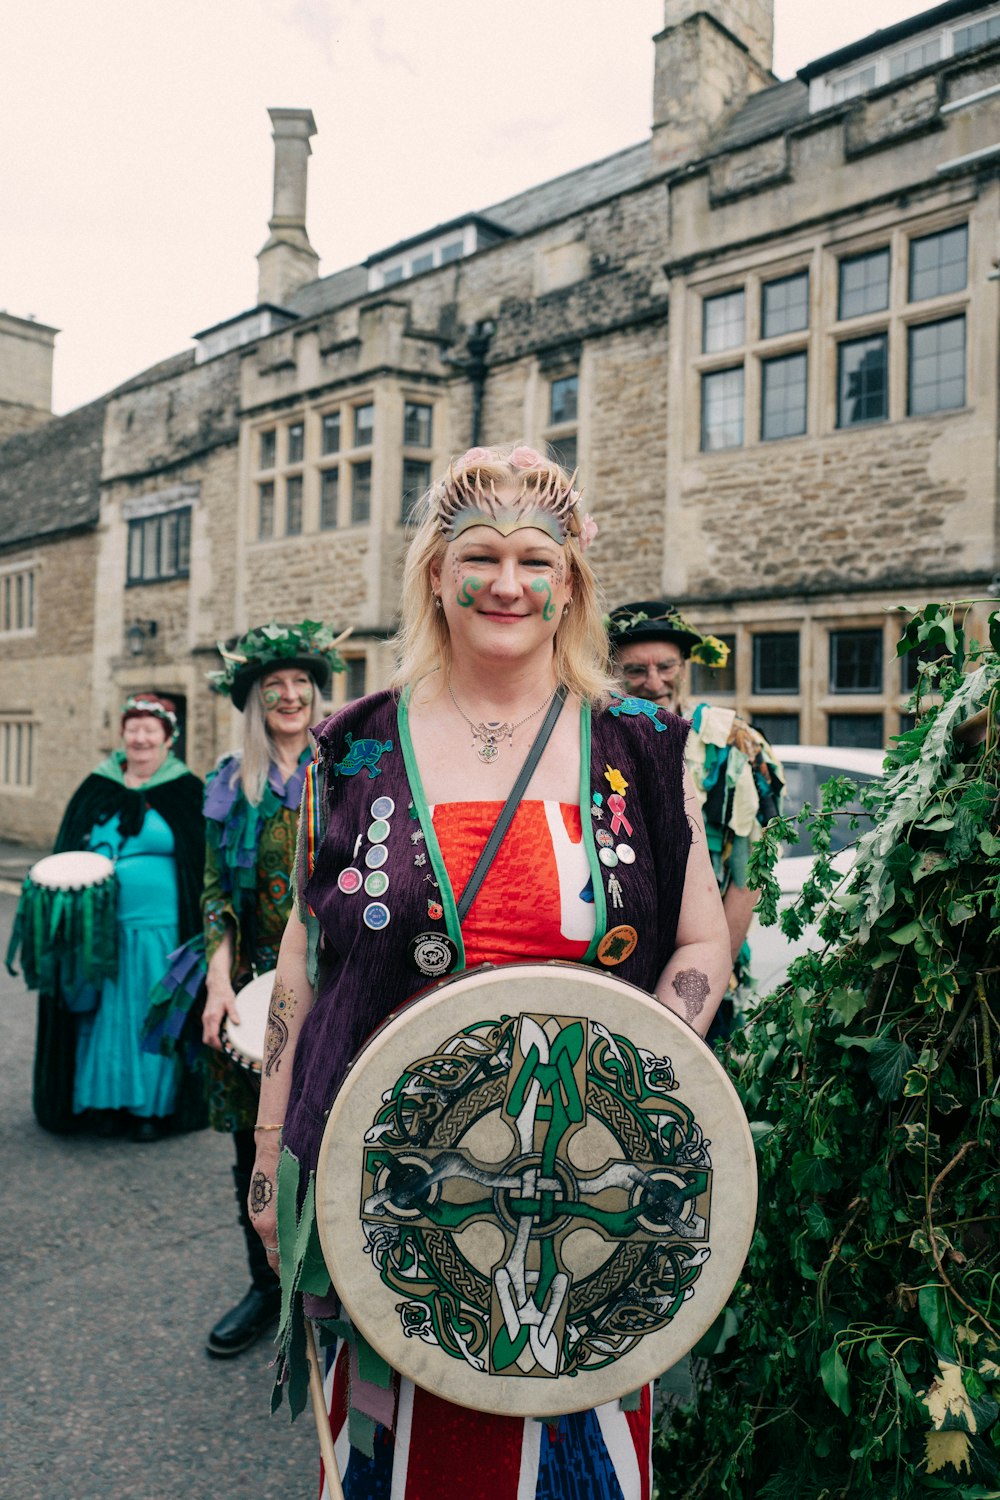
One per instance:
(136, 158)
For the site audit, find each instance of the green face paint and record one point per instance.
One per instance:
(467, 593)
(271, 696)
(542, 586)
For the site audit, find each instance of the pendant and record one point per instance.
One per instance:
(489, 733)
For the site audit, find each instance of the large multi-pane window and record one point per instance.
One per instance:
(936, 367)
(417, 424)
(776, 662)
(416, 482)
(722, 409)
(723, 322)
(729, 321)
(863, 380)
(17, 754)
(361, 493)
(763, 373)
(939, 263)
(855, 661)
(17, 602)
(783, 396)
(784, 305)
(864, 284)
(354, 677)
(159, 547)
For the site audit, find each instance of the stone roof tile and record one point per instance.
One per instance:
(50, 476)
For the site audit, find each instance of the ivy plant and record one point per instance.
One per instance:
(863, 1349)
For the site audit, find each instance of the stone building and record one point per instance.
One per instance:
(767, 335)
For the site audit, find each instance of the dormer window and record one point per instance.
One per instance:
(906, 49)
(447, 243)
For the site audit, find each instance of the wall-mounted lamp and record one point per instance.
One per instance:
(139, 635)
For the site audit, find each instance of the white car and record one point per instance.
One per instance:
(806, 768)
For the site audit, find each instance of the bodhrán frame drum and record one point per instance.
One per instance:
(536, 1189)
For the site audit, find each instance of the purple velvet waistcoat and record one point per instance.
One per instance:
(368, 970)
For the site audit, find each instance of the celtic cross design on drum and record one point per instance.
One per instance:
(536, 1195)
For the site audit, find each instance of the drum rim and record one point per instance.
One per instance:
(566, 1385)
(241, 1060)
(101, 877)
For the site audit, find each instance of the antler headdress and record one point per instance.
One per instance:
(546, 499)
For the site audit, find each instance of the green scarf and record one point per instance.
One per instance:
(114, 769)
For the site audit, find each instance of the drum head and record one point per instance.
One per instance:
(536, 1189)
(244, 1042)
(73, 870)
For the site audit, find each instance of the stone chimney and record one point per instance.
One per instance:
(288, 260)
(26, 349)
(710, 57)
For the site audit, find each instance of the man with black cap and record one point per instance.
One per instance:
(736, 775)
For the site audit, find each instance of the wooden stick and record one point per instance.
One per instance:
(322, 1417)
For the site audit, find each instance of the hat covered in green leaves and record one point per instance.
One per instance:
(656, 620)
(310, 645)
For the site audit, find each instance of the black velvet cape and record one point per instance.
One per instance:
(98, 798)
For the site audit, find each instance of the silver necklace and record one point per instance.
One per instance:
(489, 731)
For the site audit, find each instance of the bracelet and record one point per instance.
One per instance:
(270, 1127)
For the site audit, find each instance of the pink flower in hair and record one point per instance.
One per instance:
(588, 530)
(472, 457)
(525, 458)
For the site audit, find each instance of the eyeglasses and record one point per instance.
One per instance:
(637, 671)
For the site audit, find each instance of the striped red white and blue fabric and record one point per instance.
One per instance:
(438, 1450)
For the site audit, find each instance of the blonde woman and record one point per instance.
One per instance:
(500, 618)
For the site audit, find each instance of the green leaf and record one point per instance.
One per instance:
(907, 934)
(888, 1063)
(932, 1304)
(833, 1373)
(989, 843)
(846, 1004)
(810, 1174)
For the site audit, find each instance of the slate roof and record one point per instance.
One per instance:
(50, 476)
(769, 112)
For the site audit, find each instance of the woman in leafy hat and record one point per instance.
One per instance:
(274, 675)
(142, 808)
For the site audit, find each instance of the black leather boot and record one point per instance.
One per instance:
(243, 1324)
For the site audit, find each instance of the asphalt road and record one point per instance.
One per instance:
(119, 1258)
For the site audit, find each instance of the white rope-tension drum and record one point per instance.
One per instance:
(66, 923)
(244, 1041)
(536, 1189)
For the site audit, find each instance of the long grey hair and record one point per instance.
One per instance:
(259, 750)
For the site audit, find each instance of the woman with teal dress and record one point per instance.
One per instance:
(141, 808)
(274, 675)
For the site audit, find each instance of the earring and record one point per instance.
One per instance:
(437, 601)
(566, 607)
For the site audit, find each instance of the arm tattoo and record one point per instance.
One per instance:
(692, 986)
(261, 1192)
(281, 1012)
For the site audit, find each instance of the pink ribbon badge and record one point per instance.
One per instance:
(616, 805)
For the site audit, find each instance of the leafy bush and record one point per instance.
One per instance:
(865, 1360)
